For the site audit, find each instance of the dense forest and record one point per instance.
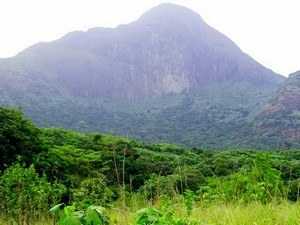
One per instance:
(45, 167)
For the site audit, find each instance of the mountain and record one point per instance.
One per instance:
(170, 49)
(281, 116)
(288, 96)
(166, 77)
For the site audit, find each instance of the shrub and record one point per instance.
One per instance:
(260, 183)
(92, 191)
(25, 196)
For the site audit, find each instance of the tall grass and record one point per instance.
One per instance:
(254, 213)
(218, 213)
(251, 213)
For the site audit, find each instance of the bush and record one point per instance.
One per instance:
(260, 183)
(26, 196)
(92, 191)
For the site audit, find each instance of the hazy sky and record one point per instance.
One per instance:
(267, 30)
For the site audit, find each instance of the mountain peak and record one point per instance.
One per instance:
(169, 50)
(171, 12)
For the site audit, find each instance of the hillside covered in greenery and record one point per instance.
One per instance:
(166, 77)
(41, 167)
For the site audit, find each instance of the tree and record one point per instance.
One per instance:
(19, 138)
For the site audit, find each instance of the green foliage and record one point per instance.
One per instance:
(260, 183)
(97, 169)
(151, 216)
(160, 185)
(189, 197)
(24, 195)
(231, 118)
(19, 138)
(92, 191)
(70, 163)
(294, 190)
(93, 215)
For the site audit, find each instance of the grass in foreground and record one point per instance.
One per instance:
(252, 213)
(215, 214)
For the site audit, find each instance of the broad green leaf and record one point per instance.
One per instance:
(70, 220)
(142, 220)
(92, 217)
(69, 209)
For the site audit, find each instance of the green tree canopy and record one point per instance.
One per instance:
(19, 138)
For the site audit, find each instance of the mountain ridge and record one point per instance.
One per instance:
(149, 61)
(167, 77)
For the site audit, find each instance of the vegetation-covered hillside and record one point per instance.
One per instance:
(44, 167)
(281, 116)
(167, 77)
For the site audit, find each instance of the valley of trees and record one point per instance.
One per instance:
(138, 183)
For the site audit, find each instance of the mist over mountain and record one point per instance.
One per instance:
(166, 77)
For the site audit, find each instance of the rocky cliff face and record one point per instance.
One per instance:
(169, 50)
(281, 116)
(288, 96)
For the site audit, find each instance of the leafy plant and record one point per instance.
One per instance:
(189, 197)
(151, 216)
(93, 215)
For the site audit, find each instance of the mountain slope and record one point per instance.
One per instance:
(288, 96)
(170, 49)
(166, 77)
(280, 118)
